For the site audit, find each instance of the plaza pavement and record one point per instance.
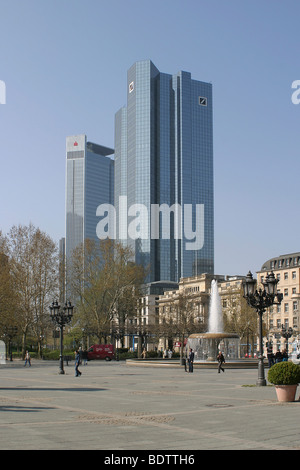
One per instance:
(114, 406)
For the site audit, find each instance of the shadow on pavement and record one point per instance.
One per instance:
(55, 389)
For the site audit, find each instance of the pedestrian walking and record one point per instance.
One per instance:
(285, 356)
(27, 359)
(278, 356)
(191, 360)
(270, 356)
(221, 360)
(77, 363)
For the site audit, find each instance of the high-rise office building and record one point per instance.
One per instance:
(164, 172)
(89, 183)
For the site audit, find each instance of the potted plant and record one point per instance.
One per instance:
(285, 376)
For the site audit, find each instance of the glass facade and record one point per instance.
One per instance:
(89, 183)
(164, 156)
(120, 181)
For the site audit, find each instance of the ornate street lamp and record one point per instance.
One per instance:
(61, 318)
(260, 300)
(286, 333)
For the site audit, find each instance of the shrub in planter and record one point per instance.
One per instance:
(127, 355)
(53, 355)
(284, 373)
(151, 354)
(285, 376)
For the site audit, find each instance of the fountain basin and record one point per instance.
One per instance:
(207, 345)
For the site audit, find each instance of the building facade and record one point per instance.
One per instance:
(164, 173)
(89, 183)
(286, 269)
(146, 321)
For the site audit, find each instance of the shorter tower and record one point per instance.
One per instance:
(89, 183)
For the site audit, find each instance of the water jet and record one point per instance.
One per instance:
(207, 345)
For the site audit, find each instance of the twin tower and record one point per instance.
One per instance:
(157, 194)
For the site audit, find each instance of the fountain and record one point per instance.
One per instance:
(296, 352)
(207, 345)
(215, 318)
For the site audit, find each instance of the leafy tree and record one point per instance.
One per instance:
(8, 297)
(105, 284)
(240, 318)
(34, 271)
(180, 319)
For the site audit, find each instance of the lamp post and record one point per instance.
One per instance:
(61, 318)
(260, 300)
(286, 333)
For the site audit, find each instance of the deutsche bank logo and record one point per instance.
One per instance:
(2, 92)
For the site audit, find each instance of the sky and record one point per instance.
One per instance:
(64, 65)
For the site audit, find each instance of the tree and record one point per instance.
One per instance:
(34, 270)
(8, 298)
(105, 284)
(186, 321)
(179, 319)
(240, 317)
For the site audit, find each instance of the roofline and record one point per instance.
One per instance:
(99, 149)
(277, 258)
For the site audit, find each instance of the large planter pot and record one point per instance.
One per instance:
(286, 392)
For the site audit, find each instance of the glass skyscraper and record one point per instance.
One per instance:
(164, 158)
(89, 183)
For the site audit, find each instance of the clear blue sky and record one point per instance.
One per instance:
(65, 62)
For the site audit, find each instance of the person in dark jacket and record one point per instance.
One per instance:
(270, 356)
(278, 356)
(221, 360)
(191, 360)
(77, 362)
(84, 357)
